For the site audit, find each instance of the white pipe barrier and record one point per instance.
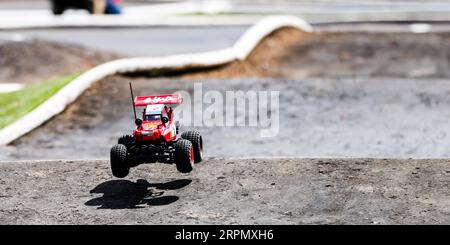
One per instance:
(239, 51)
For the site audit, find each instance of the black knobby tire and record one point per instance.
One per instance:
(184, 158)
(177, 126)
(126, 140)
(197, 142)
(118, 156)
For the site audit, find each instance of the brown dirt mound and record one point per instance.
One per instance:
(293, 54)
(22, 62)
(263, 61)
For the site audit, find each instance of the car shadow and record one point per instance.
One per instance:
(125, 194)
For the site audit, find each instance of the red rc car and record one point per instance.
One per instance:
(155, 138)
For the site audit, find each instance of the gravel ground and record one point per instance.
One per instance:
(228, 191)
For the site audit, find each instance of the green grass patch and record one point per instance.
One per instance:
(14, 105)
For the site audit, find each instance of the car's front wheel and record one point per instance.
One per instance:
(126, 140)
(118, 156)
(197, 143)
(184, 155)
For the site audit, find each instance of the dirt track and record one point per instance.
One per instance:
(228, 191)
(354, 94)
(319, 117)
(373, 95)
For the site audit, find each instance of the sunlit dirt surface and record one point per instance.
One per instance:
(228, 191)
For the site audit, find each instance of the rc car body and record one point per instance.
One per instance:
(156, 138)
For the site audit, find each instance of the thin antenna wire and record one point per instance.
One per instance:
(132, 101)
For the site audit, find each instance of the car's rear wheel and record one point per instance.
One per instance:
(118, 156)
(197, 143)
(126, 140)
(184, 156)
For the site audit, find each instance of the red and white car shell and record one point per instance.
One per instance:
(153, 127)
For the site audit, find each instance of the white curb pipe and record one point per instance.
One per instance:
(58, 102)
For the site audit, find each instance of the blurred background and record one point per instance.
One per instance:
(163, 16)
(320, 10)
